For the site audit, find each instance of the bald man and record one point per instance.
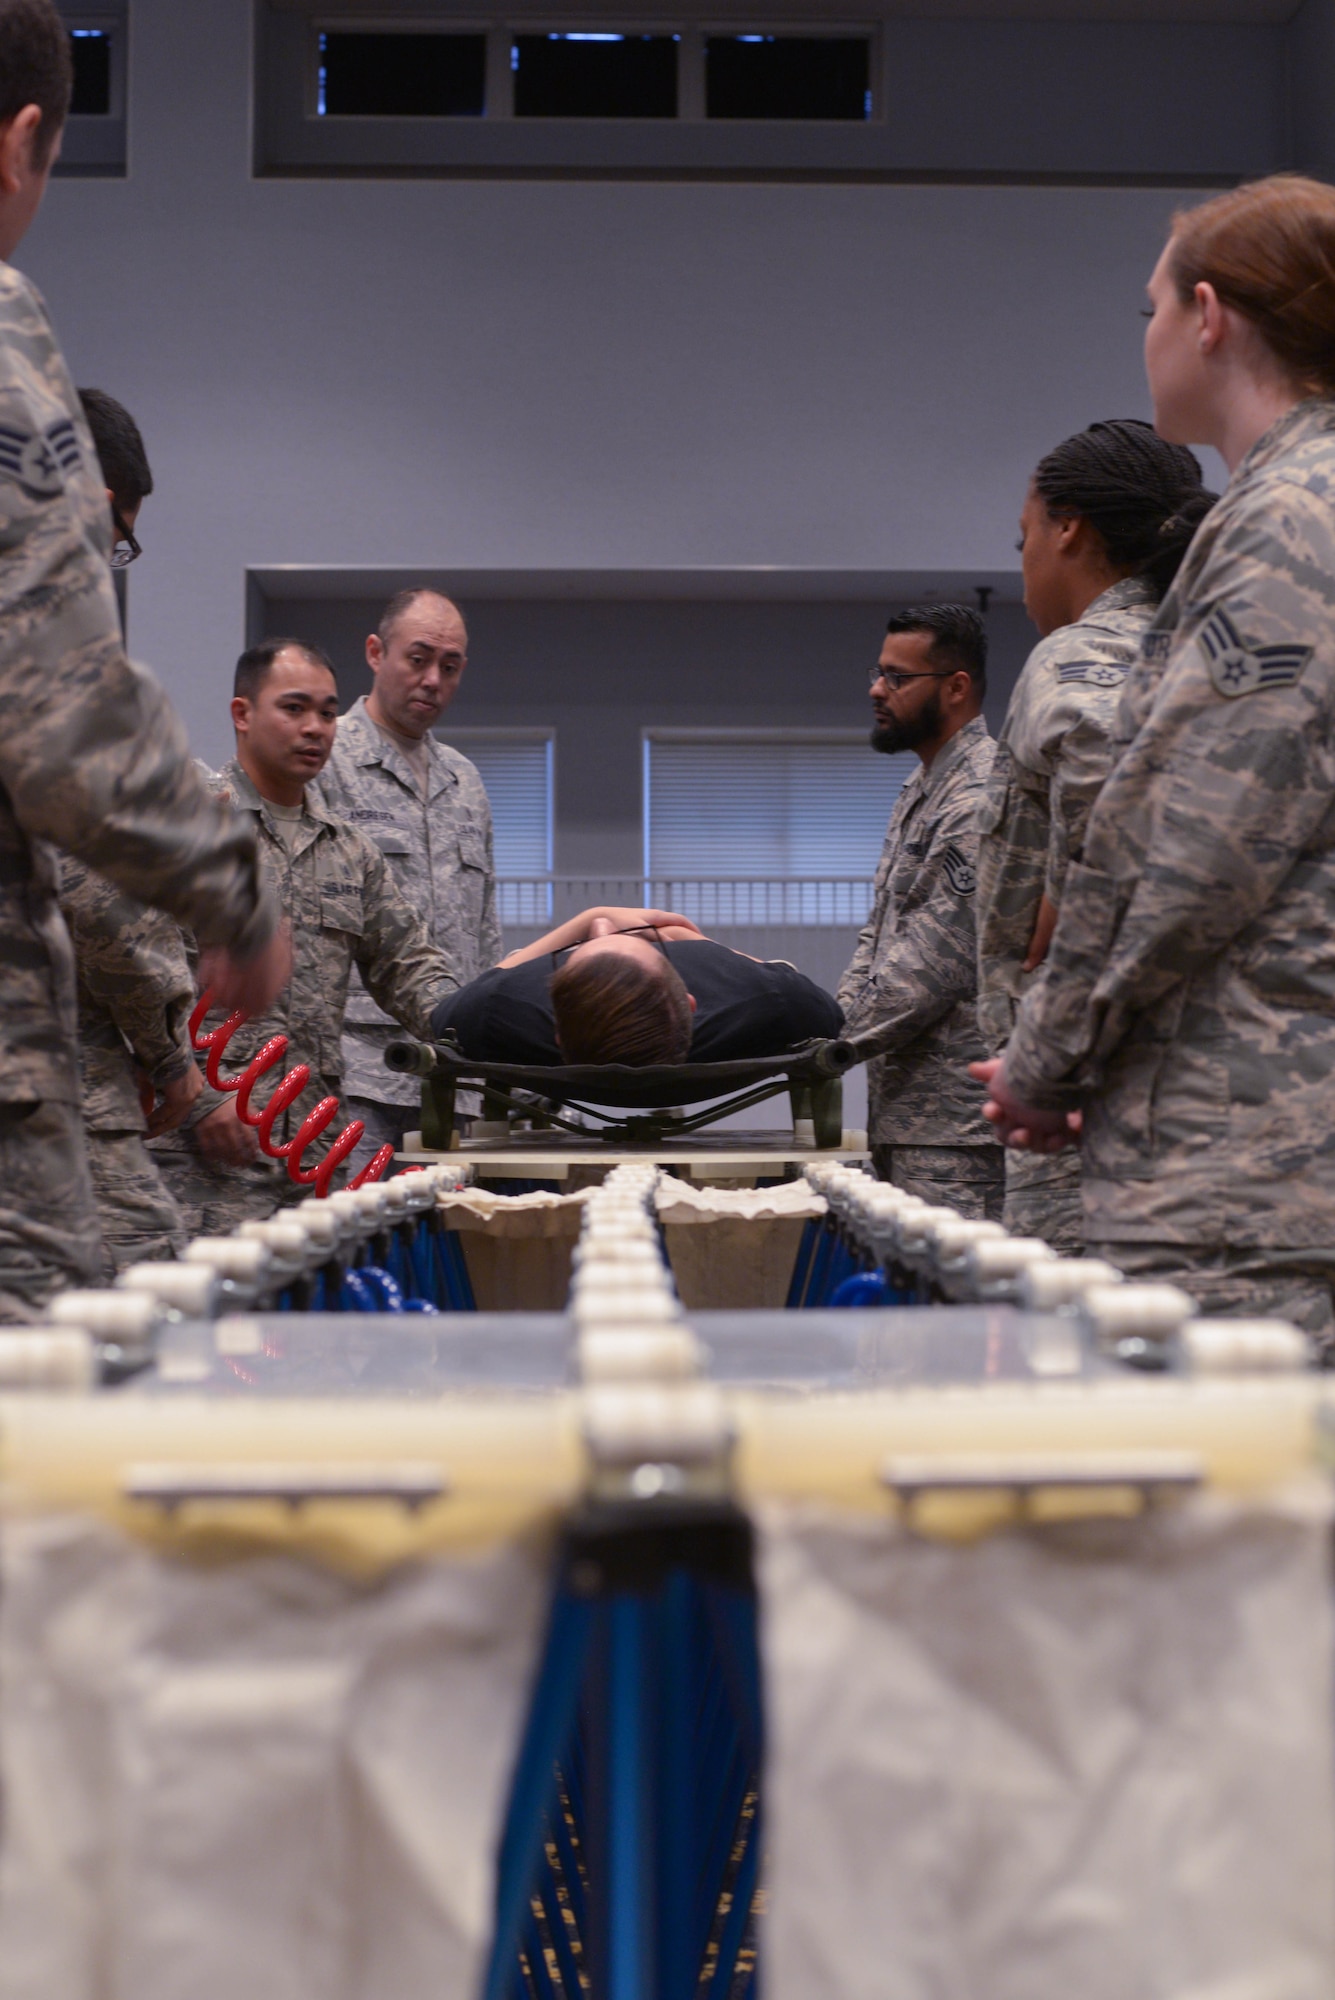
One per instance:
(424, 806)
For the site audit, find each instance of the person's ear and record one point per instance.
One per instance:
(375, 653)
(690, 998)
(18, 137)
(240, 714)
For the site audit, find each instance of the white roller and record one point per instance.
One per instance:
(287, 1242)
(191, 1289)
(1061, 1281)
(239, 1258)
(993, 1266)
(628, 1308)
(37, 1358)
(129, 1318)
(1243, 1346)
(320, 1220)
(663, 1355)
(625, 1426)
(1135, 1312)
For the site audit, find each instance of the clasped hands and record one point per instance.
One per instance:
(1022, 1126)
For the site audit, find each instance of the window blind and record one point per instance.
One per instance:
(517, 772)
(767, 807)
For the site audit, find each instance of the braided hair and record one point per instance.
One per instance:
(1143, 498)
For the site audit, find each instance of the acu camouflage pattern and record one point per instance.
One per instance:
(439, 852)
(135, 994)
(1191, 986)
(91, 754)
(913, 977)
(343, 909)
(1052, 757)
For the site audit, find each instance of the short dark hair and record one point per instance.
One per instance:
(36, 67)
(253, 668)
(1143, 498)
(959, 638)
(612, 1009)
(403, 600)
(120, 448)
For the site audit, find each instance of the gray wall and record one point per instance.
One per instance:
(474, 373)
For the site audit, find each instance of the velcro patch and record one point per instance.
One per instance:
(1156, 646)
(37, 461)
(959, 871)
(1094, 673)
(1235, 668)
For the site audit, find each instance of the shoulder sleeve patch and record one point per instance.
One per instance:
(37, 461)
(959, 871)
(1156, 646)
(1094, 673)
(1236, 669)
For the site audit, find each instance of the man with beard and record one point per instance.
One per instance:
(913, 980)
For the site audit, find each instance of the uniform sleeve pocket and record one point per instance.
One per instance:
(996, 793)
(473, 848)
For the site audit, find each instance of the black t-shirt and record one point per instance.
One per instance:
(743, 1007)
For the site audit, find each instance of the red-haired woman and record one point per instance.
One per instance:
(1189, 1009)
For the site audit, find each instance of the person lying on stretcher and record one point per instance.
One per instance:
(638, 987)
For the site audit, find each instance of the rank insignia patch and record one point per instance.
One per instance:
(959, 872)
(38, 460)
(1092, 673)
(1237, 669)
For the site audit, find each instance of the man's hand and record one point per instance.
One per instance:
(225, 1140)
(1022, 1126)
(177, 1098)
(629, 920)
(1045, 923)
(252, 986)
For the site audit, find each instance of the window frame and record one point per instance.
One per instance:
(462, 739)
(95, 145)
(291, 138)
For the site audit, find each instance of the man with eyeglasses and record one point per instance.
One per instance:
(91, 753)
(913, 979)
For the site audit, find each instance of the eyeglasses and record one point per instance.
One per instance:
(894, 680)
(648, 931)
(125, 549)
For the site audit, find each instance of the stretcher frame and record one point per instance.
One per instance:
(648, 1099)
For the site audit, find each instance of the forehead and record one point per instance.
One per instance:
(292, 673)
(430, 621)
(907, 649)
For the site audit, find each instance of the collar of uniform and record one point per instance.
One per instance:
(371, 746)
(1306, 419)
(1123, 595)
(248, 799)
(961, 745)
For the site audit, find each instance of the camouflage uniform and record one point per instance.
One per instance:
(135, 993)
(1052, 758)
(93, 757)
(1192, 975)
(344, 910)
(912, 982)
(439, 850)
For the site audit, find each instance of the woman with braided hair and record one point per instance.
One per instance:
(1106, 521)
(1187, 1012)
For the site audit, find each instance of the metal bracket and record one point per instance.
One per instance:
(170, 1486)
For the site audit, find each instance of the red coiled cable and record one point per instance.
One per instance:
(288, 1089)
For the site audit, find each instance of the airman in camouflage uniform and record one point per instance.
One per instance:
(93, 757)
(437, 843)
(344, 909)
(912, 983)
(135, 995)
(1191, 978)
(1052, 757)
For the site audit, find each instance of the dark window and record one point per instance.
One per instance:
(402, 76)
(595, 76)
(787, 76)
(91, 49)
